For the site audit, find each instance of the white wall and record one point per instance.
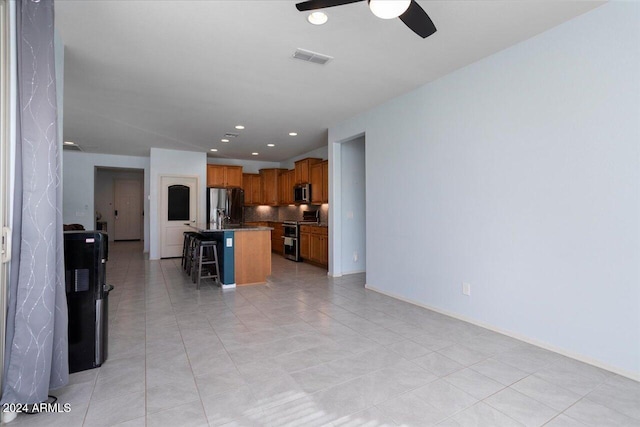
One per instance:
(174, 162)
(353, 212)
(78, 185)
(523, 176)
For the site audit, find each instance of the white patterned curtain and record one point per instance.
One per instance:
(36, 341)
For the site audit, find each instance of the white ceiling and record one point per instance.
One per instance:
(180, 74)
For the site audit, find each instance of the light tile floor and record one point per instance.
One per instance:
(310, 350)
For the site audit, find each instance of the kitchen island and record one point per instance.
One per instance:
(244, 253)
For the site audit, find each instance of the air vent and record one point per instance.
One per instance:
(309, 56)
(231, 135)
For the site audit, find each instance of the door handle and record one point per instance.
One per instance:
(116, 213)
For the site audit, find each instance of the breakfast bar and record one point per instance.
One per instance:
(244, 253)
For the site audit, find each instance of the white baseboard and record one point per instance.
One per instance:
(579, 357)
(353, 272)
(346, 274)
(227, 286)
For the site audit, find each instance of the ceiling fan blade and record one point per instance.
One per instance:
(417, 19)
(321, 4)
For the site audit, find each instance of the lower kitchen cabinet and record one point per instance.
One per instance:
(314, 245)
(304, 245)
(277, 243)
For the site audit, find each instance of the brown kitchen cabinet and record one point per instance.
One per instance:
(292, 179)
(304, 244)
(285, 188)
(320, 182)
(224, 176)
(314, 245)
(303, 170)
(252, 186)
(325, 181)
(277, 243)
(270, 193)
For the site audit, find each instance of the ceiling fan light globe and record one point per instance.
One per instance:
(388, 9)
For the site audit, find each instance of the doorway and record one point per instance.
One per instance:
(353, 206)
(127, 197)
(178, 209)
(119, 202)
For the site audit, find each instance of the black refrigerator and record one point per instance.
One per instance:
(85, 259)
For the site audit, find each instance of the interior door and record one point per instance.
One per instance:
(128, 210)
(178, 207)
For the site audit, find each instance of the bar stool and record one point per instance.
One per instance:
(186, 246)
(189, 248)
(206, 258)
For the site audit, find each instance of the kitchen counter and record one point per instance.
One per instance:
(244, 253)
(207, 228)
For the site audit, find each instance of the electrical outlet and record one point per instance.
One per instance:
(466, 289)
(355, 256)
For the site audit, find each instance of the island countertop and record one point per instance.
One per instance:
(244, 252)
(210, 228)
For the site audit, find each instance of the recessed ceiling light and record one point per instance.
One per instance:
(214, 149)
(271, 145)
(293, 134)
(224, 140)
(69, 143)
(254, 154)
(239, 127)
(317, 18)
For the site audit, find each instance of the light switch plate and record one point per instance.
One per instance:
(229, 242)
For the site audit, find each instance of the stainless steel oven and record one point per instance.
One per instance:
(290, 235)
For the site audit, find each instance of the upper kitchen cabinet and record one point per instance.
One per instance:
(224, 176)
(325, 181)
(303, 170)
(285, 184)
(252, 186)
(320, 182)
(270, 193)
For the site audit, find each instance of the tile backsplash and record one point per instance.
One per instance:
(283, 213)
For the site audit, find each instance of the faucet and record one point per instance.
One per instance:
(222, 218)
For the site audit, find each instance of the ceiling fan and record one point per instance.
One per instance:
(409, 12)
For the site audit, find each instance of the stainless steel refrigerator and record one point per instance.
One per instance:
(225, 206)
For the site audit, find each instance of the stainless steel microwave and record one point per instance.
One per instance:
(302, 193)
